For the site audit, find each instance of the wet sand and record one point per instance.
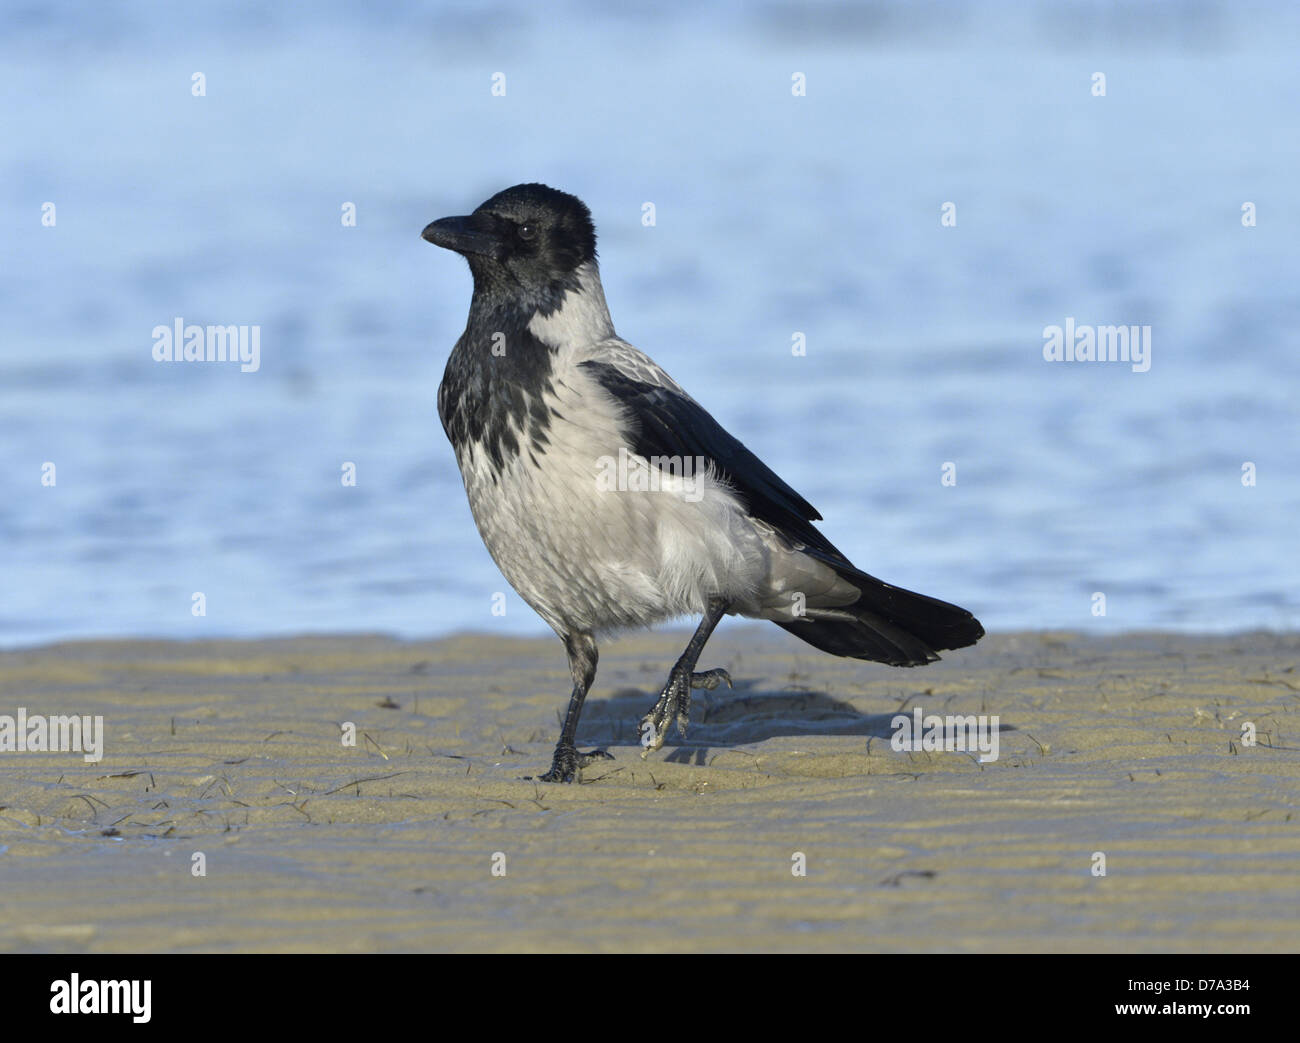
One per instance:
(1129, 746)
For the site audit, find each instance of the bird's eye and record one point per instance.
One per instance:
(527, 232)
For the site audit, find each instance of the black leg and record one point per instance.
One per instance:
(581, 648)
(675, 699)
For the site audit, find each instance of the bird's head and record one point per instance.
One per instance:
(528, 241)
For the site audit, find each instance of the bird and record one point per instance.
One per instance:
(611, 500)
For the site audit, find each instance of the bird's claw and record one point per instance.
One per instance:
(567, 762)
(710, 679)
(675, 702)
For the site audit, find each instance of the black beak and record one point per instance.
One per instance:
(465, 235)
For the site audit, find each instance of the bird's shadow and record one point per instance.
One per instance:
(726, 718)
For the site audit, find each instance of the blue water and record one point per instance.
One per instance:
(774, 214)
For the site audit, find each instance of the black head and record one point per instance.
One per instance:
(528, 240)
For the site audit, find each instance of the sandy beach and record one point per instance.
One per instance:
(424, 836)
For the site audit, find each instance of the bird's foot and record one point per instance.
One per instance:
(567, 762)
(710, 679)
(675, 702)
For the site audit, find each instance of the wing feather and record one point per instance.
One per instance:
(666, 421)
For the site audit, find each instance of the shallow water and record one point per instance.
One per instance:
(774, 215)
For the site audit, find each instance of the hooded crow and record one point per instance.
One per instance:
(611, 499)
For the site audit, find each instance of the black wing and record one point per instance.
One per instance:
(667, 423)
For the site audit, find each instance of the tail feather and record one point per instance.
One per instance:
(887, 624)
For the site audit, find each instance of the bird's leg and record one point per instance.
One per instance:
(675, 699)
(581, 648)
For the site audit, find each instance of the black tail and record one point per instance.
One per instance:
(886, 624)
